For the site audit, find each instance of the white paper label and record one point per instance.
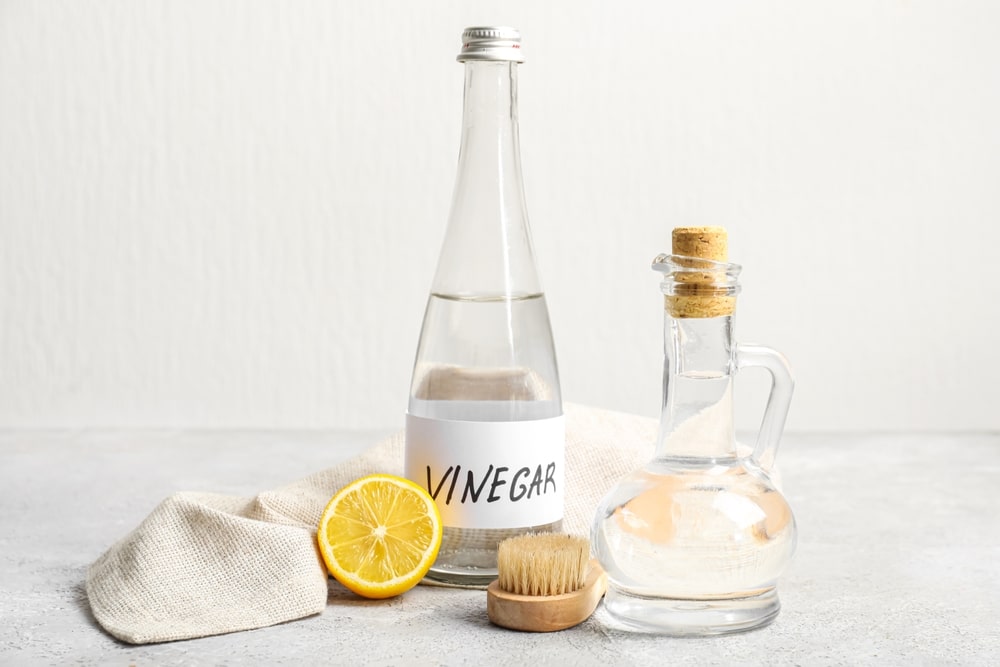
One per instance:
(489, 474)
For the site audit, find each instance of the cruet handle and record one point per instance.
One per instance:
(782, 385)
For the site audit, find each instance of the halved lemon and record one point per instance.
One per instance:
(379, 535)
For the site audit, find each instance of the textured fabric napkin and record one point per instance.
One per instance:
(206, 564)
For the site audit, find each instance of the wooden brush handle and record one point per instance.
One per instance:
(546, 613)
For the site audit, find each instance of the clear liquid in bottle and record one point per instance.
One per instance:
(447, 388)
(681, 542)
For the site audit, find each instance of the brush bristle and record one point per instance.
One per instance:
(543, 564)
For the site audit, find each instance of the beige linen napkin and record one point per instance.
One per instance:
(206, 564)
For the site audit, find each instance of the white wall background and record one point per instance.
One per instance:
(227, 213)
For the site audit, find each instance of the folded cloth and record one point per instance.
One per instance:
(206, 564)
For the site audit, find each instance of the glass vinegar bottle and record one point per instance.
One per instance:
(484, 429)
(694, 542)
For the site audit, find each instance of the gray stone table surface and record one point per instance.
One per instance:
(898, 559)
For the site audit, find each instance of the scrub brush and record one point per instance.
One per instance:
(546, 582)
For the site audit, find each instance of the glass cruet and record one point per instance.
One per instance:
(694, 541)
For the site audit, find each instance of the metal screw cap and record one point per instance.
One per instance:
(498, 43)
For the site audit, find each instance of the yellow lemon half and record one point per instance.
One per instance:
(379, 535)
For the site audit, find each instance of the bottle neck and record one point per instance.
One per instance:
(487, 249)
(697, 416)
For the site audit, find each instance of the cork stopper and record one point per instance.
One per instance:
(703, 242)
(701, 289)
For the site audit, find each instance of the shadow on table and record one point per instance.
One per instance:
(460, 606)
(82, 603)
